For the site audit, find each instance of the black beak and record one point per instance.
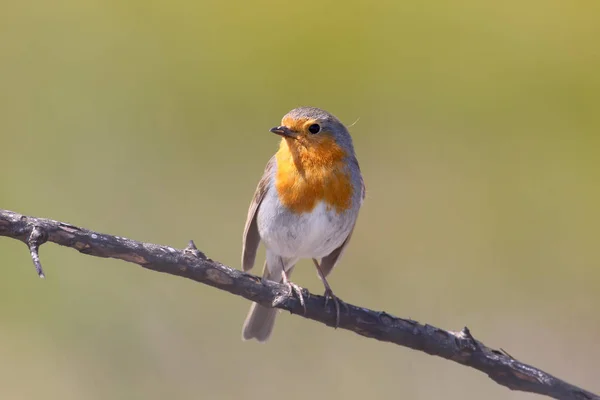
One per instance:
(283, 131)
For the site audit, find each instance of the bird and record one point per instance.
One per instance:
(305, 207)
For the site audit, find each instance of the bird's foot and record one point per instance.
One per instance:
(336, 301)
(293, 291)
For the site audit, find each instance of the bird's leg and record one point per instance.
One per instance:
(329, 294)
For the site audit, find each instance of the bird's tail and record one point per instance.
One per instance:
(260, 320)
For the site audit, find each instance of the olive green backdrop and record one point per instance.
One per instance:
(479, 138)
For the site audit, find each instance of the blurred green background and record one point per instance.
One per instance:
(479, 138)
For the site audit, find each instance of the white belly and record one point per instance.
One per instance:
(304, 235)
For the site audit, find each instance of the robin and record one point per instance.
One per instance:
(305, 206)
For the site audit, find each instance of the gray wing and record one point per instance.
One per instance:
(329, 261)
(251, 237)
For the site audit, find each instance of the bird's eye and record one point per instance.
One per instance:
(314, 128)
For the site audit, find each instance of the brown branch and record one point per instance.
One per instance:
(190, 263)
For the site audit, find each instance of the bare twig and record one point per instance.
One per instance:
(190, 263)
(36, 238)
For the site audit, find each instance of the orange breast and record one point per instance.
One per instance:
(308, 173)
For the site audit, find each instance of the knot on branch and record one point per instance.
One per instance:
(193, 250)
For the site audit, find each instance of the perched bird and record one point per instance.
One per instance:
(305, 206)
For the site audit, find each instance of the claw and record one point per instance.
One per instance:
(297, 290)
(293, 290)
(336, 301)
